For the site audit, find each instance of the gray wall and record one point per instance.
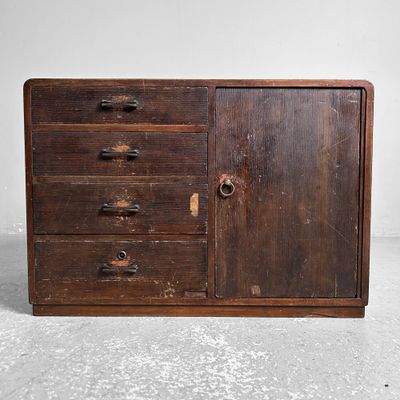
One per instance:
(201, 39)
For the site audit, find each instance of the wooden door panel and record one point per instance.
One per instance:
(291, 227)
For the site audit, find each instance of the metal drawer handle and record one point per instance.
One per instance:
(226, 188)
(119, 105)
(109, 208)
(110, 269)
(129, 154)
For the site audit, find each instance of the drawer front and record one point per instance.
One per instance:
(91, 271)
(107, 208)
(128, 104)
(119, 153)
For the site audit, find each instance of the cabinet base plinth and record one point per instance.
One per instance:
(200, 311)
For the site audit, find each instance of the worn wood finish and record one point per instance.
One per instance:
(200, 311)
(311, 83)
(77, 153)
(296, 131)
(73, 104)
(117, 128)
(71, 271)
(365, 203)
(76, 208)
(291, 227)
(211, 198)
(183, 180)
(28, 191)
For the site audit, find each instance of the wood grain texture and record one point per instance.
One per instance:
(310, 83)
(110, 179)
(160, 153)
(70, 271)
(211, 198)
(365, 204)
(60, 127)
(200, 311)
(75, 208)
(29, 190)
(291, 228)
(81, 104)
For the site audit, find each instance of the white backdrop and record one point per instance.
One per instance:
(356, 39)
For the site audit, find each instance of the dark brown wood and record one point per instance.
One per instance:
(71, 271)
(290, 229)
(117, 128)
(313, 83)
(76, 208)
(77, 153)
(72, 104)
(201, 311)
(211, 198)
(366, 192)
(184, 180)
(28, 191)
(180, 115)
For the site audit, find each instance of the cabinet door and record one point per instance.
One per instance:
(291, 158)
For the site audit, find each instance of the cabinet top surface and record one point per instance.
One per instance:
(206, 82)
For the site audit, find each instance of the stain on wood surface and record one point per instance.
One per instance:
(194, 204)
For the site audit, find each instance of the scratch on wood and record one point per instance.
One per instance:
(326, 148)
(334, 109)
(168, 290)
(339, 233)
(194, 204)
(255, 291)
(340, 141)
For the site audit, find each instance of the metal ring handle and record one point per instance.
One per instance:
(226, 188)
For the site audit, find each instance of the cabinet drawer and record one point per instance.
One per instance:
(91, 271)
(124, 103)
(119, 153)
(115, 207)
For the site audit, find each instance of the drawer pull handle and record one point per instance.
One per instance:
(109, 208)
(110, 269)
(226, 188)
(119, 105)
(130, 154)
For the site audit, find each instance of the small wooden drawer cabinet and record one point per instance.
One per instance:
(198, 197)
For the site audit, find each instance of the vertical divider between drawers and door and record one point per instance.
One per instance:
(211, 193)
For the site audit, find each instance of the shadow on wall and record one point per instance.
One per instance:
(14, 275)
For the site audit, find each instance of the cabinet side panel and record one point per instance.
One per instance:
(291, 227)
(28, 189)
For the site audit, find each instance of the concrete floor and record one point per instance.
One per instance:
(200, 358)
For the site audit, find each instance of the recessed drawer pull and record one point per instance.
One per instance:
(110, 269)
(129, 154)
(109, 208)
(119, 105)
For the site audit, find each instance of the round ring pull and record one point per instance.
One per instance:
(226, 188)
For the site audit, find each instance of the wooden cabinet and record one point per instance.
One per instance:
(198, 197)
